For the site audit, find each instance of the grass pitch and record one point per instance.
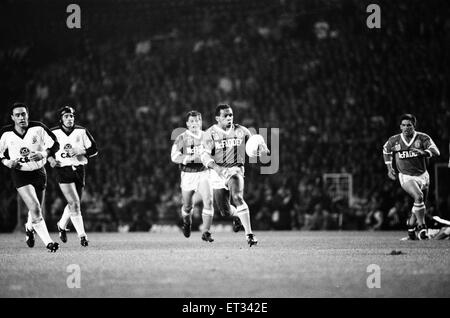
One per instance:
(283, 264)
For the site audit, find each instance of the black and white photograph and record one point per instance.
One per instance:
(218, 156)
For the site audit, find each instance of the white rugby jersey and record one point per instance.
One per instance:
(79, 138)
(37, 138)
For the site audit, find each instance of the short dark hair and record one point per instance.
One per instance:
(65, 110)
(409, 117)
(221, 107)
(17, 105)
(193, 113)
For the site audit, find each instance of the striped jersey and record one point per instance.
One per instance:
(407, 161)
(227, 147)
(37, 138)
(185, 145)
(76, 138)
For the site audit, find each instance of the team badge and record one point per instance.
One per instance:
(397, 147)
(239, 133)
(24, 151)
(417, 144)
(78, 139)
(34, 140)
(214, 135)
(67, 147)
(189, 140)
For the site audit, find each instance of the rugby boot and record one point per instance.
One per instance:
(251, 240)
(52, 247)
(206, 236)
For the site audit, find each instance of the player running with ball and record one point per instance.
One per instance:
(224, 154)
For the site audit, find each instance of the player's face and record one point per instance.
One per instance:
(226, 118)
(407, 127)
(20, 117)
(68, 120)
(194, 123)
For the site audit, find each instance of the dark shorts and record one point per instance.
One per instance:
(37, 178)
(71, 174)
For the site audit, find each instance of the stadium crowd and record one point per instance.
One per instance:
(333, 87)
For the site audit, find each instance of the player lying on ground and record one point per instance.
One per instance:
(438, 229)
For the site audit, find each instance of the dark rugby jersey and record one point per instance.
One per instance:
(186, 145)
(226, 148)
(407, 161)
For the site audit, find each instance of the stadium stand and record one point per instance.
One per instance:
(311, 68)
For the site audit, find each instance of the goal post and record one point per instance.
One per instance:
(339, 186)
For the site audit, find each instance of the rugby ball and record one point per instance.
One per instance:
(252, 145)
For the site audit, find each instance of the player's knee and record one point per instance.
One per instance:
(35, 210)
(36, 219)
(418, 198)
(207, 204)
(187, 208)
(74, 204)
(237, 199)
(75, 213)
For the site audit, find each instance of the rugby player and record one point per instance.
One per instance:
(24, 148)
(77, 145)
(224, 155)
(186, 151)
(410, 150)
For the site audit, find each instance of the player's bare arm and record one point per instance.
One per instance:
(391, 172)
(388, 155)
(430, 152)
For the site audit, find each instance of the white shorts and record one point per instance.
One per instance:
(220, 182)
(191, 180)
(423, 180)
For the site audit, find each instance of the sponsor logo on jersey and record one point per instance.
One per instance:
(196, 150)
(407, 154)
(66, 148)
(215, 135)
(233, 142)
(24, 152)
